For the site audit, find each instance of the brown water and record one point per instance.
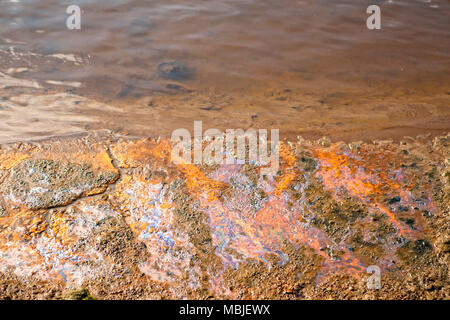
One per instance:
(309, 68)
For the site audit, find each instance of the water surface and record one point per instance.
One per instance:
(309, 68)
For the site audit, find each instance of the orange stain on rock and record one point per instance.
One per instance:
(139, 153)
(366, 175)
(10, 160)
(287, 160)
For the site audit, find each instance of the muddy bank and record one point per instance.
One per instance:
(109, 217)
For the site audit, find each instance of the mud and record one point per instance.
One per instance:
(110, 217)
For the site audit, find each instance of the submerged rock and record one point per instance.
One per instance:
(174, 71)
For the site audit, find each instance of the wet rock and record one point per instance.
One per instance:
(48, 183)
(167, 230)
(113, 237)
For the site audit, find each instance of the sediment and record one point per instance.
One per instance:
(109, 217)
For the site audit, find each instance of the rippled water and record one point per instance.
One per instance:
(147, 67)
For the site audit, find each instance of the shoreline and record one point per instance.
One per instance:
(426, 135)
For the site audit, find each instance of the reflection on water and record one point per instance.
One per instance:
(306, 67)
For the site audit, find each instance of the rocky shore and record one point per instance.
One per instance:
(109, 217)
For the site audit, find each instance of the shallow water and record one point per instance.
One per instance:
(309, 68)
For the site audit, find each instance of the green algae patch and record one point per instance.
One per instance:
(81, 294)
